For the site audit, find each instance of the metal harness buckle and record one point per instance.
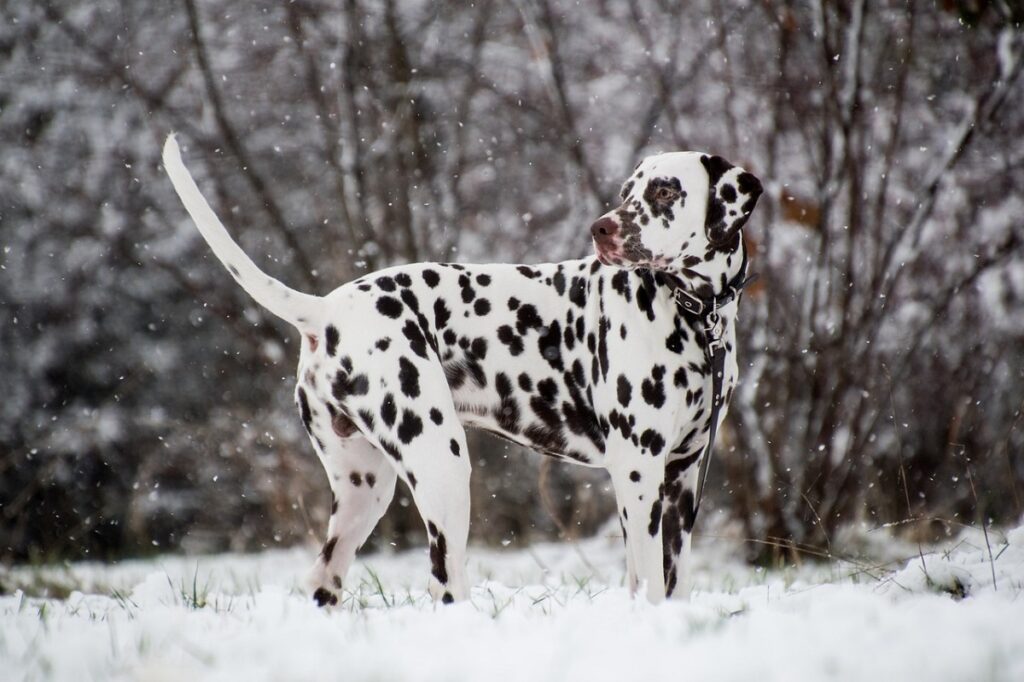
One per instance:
(714, 328)
(688, 301)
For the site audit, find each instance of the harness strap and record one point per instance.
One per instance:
(706, 312)
(717, 362)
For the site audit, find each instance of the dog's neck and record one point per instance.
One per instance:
(710, 276)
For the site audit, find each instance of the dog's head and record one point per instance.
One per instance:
(679, 212)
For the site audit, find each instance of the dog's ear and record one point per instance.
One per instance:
(732, 195)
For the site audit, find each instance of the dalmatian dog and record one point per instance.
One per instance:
(592, 361)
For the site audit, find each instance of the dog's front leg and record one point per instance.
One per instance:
(678, 513)
(637, 478)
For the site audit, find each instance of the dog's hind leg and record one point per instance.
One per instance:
(442, 497)
(418, 429)
(362, 485)
(436, 467)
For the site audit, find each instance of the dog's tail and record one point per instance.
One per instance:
(301, 310)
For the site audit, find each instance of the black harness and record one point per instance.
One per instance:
(705, 312)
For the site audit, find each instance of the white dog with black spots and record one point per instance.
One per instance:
(592, 361)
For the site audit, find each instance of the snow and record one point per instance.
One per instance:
(549, 612)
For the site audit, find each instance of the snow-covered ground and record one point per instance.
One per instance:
(551, 612)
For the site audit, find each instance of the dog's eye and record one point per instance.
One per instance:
(665, 194)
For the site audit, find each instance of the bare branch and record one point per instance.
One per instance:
(234, 142)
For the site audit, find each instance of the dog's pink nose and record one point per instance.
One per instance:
(604, 228)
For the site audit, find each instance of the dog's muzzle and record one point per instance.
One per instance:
(606, 238)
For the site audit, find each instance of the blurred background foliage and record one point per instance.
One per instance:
(147, 401)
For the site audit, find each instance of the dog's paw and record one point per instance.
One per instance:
(325, 587)
(324, 597)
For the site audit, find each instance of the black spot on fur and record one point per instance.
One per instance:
(624, 390)
(438, 553)
(454, 446)
(371, 480)
(386, 283)
(661, 194)
(508, 337)
(634, 476)
(328, 551)
(367, 418)
(431, 278)
(653, 441)
(478, 348)
(548, 389)
(410, 300)
(525, 382)
(482, 307)
(331, 335)
(582, 421)
(546, 412)
(674, 342)
(559, 282)
(409, 378)
(345, 385)
(620, 284)
(403, 280)
(389, 307)
(626, 189)
(391, 449)
(356, 479)
(468, 292)
(417, 342)
(653, 390)
(550, 345)
(655, 522)
(527, 271)
(436, 416)
(304, 411)
(383, 344)
(441, 314)
(545, 439)
(410, 426)
(507, 412)
(644, 302)
(527, 318)
(602, 345)
(688, 509)
(388, 411)
(578, 292)
(579, 376)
